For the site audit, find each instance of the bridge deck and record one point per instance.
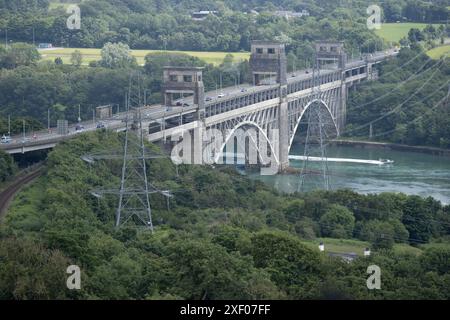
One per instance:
(300, 83)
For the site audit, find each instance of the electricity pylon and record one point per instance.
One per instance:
(316, 139)
(135, 189)
(315, 149)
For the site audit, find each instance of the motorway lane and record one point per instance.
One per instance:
(154, 112)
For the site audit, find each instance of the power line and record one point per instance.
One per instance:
(410, 78)
(398, 106)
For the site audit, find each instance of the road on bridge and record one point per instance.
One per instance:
(159, 112)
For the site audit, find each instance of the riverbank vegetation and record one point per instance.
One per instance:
(224, 237)
(408, 105)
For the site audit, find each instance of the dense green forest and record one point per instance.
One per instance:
(224, 237)
(167, 24)
(409, 104)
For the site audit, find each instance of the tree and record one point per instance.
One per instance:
(117, 55)
(415, 35)
(30, 271)
(294, 210)
(59, 61)
(19, 54)
(76, 58)
(337, 222)
(416, 218)
(7, 166)
(381, 234)
(290, 263)
(436, 259)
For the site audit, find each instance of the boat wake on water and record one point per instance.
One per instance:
(347, 160)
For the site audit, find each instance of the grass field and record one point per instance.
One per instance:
(356, 246)
(89, 55)
(393, 32)
(438, 52)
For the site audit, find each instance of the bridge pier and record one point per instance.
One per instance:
(283, 153)
(342, 114)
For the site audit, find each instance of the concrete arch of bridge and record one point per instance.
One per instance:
(263, 133)
(319, 103)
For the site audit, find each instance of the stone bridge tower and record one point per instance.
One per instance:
(268, 59)
(332, 55)
(184, 80)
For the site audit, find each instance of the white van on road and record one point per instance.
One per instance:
(6, 139)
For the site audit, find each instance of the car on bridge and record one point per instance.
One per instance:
(182, 104)
(187, 118)
(6, 139)
(79, 128)
(101, 125)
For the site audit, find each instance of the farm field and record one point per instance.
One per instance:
(89, 55)
(439, 52)
(395, 31)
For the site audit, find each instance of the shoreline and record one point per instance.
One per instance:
(392, 146)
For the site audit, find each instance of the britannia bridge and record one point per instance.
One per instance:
(276, 101)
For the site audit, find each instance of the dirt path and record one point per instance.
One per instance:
(7, 195)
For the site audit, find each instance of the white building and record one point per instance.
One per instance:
(201, 15)
(291, 14)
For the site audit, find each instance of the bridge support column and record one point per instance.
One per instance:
(198, 144)
(342, 118)
(283, 153)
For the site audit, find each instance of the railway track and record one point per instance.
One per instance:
(8, 194)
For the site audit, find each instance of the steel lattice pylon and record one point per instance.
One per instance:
(135, 188)
(316, 138)
(315, 147)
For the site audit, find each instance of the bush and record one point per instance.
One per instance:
(337, 222)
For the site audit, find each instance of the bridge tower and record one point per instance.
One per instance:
(187, 80)
(268, 62)
(184, 80)
(332, 55)
(331, 52)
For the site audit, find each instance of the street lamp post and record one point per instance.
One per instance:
(23, 130)
(9, 125)
(145, 96)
